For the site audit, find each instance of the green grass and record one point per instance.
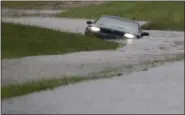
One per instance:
(27, 4)
(49, 84)
(139, 10)
(29, 87)
(21, 40)
(15, 90)
(164, 25)
(163, 15)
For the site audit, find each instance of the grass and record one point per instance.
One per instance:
(15, 90)
(49, 84)
(27, 4)
(26, 88)
(164, 25)
(20, 40)
(163, 15)
(139, 10)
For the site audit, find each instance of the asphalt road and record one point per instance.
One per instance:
(157, 45)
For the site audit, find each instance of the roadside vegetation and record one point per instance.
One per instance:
(164, 24)
(21, 40)
(49, 84)
(29, 87)
(164, 15)
(27, 4)
(61, 5)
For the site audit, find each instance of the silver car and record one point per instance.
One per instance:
(114, 27)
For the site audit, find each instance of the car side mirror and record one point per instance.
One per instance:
(144, 34)
(89, 22)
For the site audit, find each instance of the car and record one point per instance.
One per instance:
(114, 27)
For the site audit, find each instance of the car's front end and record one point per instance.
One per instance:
(113, 27)
(109, 33)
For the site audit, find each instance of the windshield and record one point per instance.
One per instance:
(125, 25)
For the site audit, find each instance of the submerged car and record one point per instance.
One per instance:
(114, 27)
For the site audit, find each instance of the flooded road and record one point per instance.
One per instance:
(158, 45)
(158, 90)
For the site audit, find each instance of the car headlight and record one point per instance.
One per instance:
(129, 35)
(95, 29)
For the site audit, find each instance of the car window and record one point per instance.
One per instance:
(127, 26)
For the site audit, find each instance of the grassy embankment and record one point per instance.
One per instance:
(162, 15)
(28, 4)
(21, 40)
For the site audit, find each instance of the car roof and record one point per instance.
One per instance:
(120, 18)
